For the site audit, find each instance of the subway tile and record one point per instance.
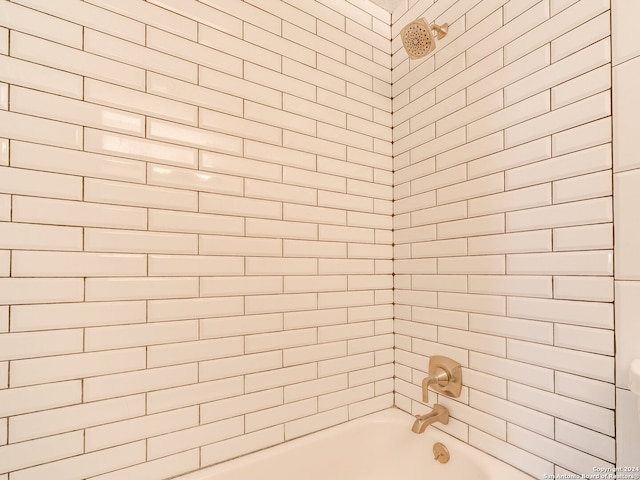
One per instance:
(554, 27)
(279, 414)
(57, 264)
(35, 371)
(517, 113)
(280, 340)
(314, 318)
(556, 452)
(152, 15)
(523, 198)
(187, 222)
(227, 245)
(592, 108)
(101, 289)
(472, 227)
(48, 449)
(103, 240)
(193, 137)
(91, 463)
(565, 75)
(31, 75)
(188, 96)
(73, 111)
(525, 373)
(533, 286)
(245, 364)
(596, 366)
(588, 237)
(93, 17)
(597, 262)
(39, 344)
(528, 462)
(240, 206)
(625, 101)
(57, 212)
(489, 304)
(62, 160)
(40, 130)
(276, 378)
(512, 157)
(218, 162)
(181, 178)
(580, 37)
(147, 58)
(278, 303)
(172, 265)
(60, 420)
(591, 416)
(105, 191)
(583, 187)
(584, 136)
(35, 23)
(585, 389)
(599, 289)
(70, 315)
(315, 283)
(20, 291)
(573, 164)
(75, 61)
(586, 440)
(189, 308)
(97, 141)
(304, 248)
(585, 339)
(245, 285)
(195, 351)
(486, 265)
(581, 87)
(589, 314)
(585, 212)
(280, 192)
(277, 228)
(527, 330)
(105, 338)
(40, 184)
(193, 394)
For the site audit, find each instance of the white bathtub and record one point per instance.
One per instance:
(380, 446)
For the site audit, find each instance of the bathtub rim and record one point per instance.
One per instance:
(391, 414)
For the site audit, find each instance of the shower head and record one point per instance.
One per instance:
(417, 37)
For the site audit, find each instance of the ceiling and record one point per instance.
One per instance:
(388, 5)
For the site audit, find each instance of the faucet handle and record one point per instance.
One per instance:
(445, 376)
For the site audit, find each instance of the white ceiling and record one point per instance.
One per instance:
(388, 5)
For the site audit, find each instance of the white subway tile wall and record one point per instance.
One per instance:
(195, 230)
(206, 206)
(503, 229)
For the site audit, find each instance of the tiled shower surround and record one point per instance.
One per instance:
(198, 229)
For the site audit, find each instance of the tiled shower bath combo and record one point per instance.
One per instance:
(226, 225)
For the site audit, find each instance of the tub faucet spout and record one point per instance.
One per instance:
(438, 414)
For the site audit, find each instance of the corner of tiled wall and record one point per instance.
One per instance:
(626, 177)
(195, 230)
(504, 226)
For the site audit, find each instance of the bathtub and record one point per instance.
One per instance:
(379, 446)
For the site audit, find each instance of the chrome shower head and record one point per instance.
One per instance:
(417, 37)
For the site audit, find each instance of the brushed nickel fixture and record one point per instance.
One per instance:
(445, 376)
(438, 414)
(417, 37)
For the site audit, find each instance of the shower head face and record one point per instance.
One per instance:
(417, 39)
